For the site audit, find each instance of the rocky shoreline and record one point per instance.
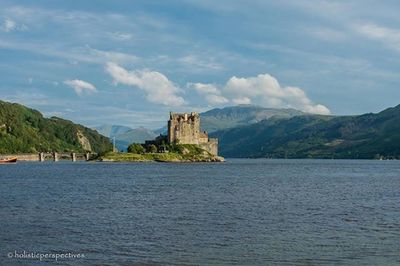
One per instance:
(160, 157)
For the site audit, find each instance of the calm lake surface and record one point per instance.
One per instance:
(243, 212)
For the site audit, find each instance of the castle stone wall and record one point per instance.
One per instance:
(211, 146)
(185, 129)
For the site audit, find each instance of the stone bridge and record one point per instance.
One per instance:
(53, 156)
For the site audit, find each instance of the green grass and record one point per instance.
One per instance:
(160, 157)
(147, 157)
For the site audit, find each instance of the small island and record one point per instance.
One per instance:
(184, 142)
(178, 153)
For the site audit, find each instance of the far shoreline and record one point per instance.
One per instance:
(33, 157)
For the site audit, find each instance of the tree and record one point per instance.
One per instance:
(136, 148)
(152, 148)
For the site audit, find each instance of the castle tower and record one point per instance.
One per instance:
(185, 129)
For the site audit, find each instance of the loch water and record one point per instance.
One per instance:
(242, 212)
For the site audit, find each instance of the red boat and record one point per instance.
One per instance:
(9, 160)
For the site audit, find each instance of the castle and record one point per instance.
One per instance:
(185, 129)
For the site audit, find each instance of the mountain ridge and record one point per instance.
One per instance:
(364, 136)
(124, 136)
(234, 116)
(211, 120)
(26, 130)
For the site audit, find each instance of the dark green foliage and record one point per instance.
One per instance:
(24, 130)
(161, 146)
(136, 148)
(364, 137)
(152, 148)
(191, 149)
(176, 153)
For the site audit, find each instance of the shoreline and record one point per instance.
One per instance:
(160, 157)
(33, 157)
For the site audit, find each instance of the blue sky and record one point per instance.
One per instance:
(131, 62)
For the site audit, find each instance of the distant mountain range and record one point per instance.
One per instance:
(313, 136)
(112, 130)
(24, 130)
(243, 131)
(241, 115)
(254, 131)
(213, 120)
(124, 136)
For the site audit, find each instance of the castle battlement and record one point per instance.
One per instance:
(184, 128)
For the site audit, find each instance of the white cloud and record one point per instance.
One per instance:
(242, 100)
(216, 99)
(74, 55)
(10, 25)
(112, 56)
(80, 86)
(198, 62)
(388, 36)
(120, 36)
(202, 88)
(327, 34)
(210, 92)
(263, 89)
(158, 88)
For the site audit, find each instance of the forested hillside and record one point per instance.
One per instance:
(312, 136)
(24, 130)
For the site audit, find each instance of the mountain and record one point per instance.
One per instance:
(313, 136)
(112, 130)
(234, 116)
(124, 136)
(24, 130)
(240, 115)
(137, 135)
